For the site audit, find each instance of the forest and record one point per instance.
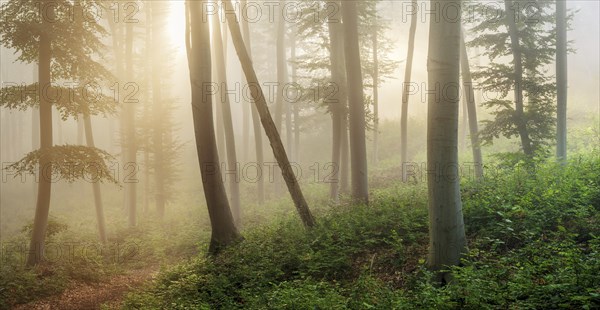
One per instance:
(300, 154)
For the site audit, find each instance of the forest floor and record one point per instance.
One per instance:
(106, 294)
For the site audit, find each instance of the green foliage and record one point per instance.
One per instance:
(533, 244)
(69, 163)
(535, 22)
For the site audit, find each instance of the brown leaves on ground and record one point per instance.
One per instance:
(92, 296)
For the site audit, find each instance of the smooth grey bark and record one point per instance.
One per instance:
(295, 107)
(267, 121)
(561, 80)
(42, 208)
(198, 49)
(232, 163)
(521, 123)
(447, 241)
(130, 135)
(260, 183)
(471, 108)
(406, 89)
(358, 151)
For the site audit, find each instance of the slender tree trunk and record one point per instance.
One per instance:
(471, 109)
(561, 80)
(375, 95)
(224, 231)
(232, 171)
(130, 141)
(42, 209)
(80, 134)
(338, 102)
(267, 122)
(360, 187)
(255, 116)
(406, 89)
(345, 151)
(447, 241)
(89, 137)
(521, 123)
(157, 102)
(296, 107)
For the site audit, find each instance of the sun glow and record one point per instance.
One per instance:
(176, 24)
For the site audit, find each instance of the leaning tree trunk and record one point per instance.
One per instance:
(223, 227)
(447, 240)
(338, 102)
(561, 80)
(471, 109)
(406, 89)
(89, 138)
(358, 151)
(260, 183)
(234, 181)
(42, 208)
(511, 19)
(267, 122)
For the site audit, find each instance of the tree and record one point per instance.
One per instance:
(406, 89)
(561, 80)
(260, 184)
(360, 189)
(337, 106)
(40, 31)
(471, 107)
(223, 227)
(447, 241)
(529, 40)
(267, 121)
(232, 163)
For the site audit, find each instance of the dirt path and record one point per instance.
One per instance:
(91, 296)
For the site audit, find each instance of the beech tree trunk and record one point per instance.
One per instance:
(561, 80)
(224, 231)
(375, 95)
(266, 120)
(260, 184)
(447, 241)
(130, 136)
(360, 188)
(471, 109)
(406, 89)
(232, 171)
(42, 208)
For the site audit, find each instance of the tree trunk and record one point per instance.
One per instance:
(267, 122)
(345, 151)
(232, 171)
(338, 102)
(360, 188)
(520, 121)
(224, 231)
(42, 208)
(447, 240)
(260, 183)
(471, 109)
(375, 95)
(406, 90)
(89, 138)
(561, 80)
(296, 107)
(159, 130)
(130, 141)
